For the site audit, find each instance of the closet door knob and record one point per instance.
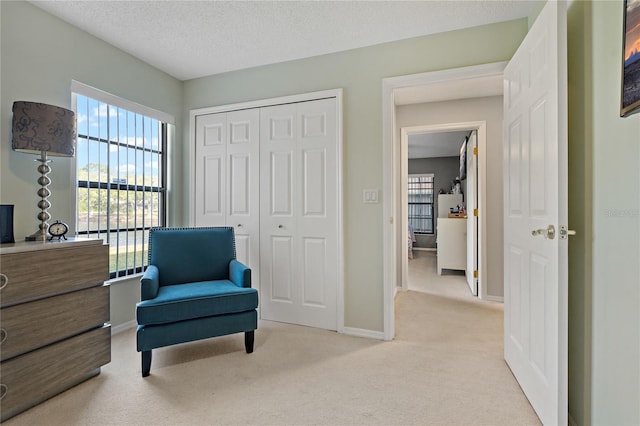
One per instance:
(4, 280)
(280, 226)
(3, 335)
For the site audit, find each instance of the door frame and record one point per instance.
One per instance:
(391, 167)
(481, 128)
(301, 97)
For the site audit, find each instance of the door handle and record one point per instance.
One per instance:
(549, 232)
(280, 226)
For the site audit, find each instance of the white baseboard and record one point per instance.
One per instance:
(424, 249)
(122, 327)
(496, 299)
(360, 332)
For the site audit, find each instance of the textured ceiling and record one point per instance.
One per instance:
(429, 145)
(190, 39)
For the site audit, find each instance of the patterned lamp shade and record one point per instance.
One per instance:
(43, 128)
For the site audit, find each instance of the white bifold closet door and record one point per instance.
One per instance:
(227, 179)
(298, 213)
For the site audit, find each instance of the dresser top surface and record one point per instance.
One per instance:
(27, 246)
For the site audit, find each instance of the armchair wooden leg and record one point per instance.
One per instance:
(146, 363)
(248, 340)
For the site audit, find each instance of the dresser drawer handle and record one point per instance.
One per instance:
(3, 335)
(4, 280)
(3, 390)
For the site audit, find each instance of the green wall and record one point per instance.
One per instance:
(360, 73)
(616, 231)
(41, 54)
(604, 207)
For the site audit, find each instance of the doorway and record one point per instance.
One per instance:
(487, 80)
(440, 151)
(440, 86)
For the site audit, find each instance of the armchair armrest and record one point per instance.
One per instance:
(240, 274)
(150, 283)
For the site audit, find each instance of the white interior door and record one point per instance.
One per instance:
(535, 206)
(298, 220)
(227, 186)
(243, 186)
(472, 219)
(211, 170)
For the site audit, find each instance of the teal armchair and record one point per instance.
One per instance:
(194, 288)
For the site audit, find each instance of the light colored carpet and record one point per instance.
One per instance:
(445, 367)
(423, 277)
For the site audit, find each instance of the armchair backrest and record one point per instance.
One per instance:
(184, 255)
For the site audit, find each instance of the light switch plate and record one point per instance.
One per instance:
(370, 196)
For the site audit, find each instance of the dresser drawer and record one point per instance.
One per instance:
(36, 376)
(38, 274)
(35, 324)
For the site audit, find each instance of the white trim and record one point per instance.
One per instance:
(303, 97)
(123, 327)
(124, 279)
(445, 76)
(389, 167)
(340, 194)
(100, 95)
(361, 332)
(495, 299)
(73, 176)
(389, 264)
(424, 249)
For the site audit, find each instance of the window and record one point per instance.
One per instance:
(420, 198)
(121, 172)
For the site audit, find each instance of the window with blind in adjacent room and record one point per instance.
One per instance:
(420, 200)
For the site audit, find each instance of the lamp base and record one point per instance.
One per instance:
(36, 236)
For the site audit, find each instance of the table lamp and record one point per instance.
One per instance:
(45, 130)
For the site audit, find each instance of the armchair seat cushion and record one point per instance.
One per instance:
(182, 302)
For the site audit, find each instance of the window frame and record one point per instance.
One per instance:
(163, 134)
(432, 203)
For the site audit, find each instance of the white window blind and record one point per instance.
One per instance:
(420, 200)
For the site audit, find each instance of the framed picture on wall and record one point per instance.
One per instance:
(630, 97)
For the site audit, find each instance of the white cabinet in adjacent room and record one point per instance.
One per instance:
(452, 244)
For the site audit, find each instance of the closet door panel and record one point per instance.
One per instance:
(281, 184)
(282, 267)
(315, 268)
(314, 185)
(318, 218)
(278, 252)
(243, 192)
(213, 188)
(210, 173)
(298, 151)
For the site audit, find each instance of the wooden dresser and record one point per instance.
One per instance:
(54, 309)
